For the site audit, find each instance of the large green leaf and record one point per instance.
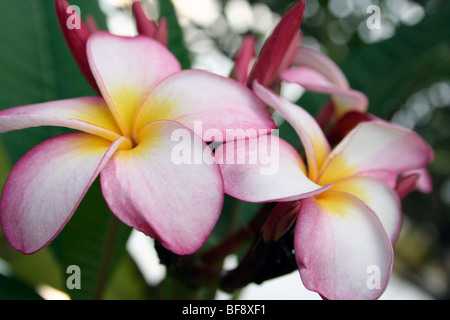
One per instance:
(390, 71)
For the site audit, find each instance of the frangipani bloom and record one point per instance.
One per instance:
(348, 216)
(126, 139)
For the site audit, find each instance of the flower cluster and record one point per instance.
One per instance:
(342, 198)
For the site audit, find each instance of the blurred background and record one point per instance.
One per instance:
(403, 67)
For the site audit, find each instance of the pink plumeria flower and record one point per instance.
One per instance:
(348, 216)
(126, 139)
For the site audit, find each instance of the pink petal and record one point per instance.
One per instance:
(322, 64)
(327, 78)
(280, 220)
(88, 114)
(162, 32)
(310, 133)
(76, 39)
(344, 99)
(425, 182)
(266, 169)
(276, 46)
(380, 198)
(126, 69)
(406, 184)
(374, 148)
(144, 25)
(244, 58)
(347, 123)
(46, 186)
(147, 27)
(341, 248)
(154, 189)
(214, 107)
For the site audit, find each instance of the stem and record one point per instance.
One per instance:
(263, 261)
(107, 259)
(234, 242)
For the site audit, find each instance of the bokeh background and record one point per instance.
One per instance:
(403, 68)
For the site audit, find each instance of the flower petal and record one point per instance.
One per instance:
(341, 248)
(379, 197)
(424, 182)
(310, 133)
(76, 38)
(326, 67)
(344, 99)
(126, 69)
(144, 25)
(278, 45)
(88, 114)
(154, 190)
(316, 72)
(46, 186)
(374, 148)
(265, 169)
(211, 105)
(244, 58)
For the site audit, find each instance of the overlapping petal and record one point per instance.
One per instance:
(214, 102)
(376, 148)
(46, 186)
(89, 114)
(314, 141)
(126, 69)
(264, 169)
(341, 248)
(158, 191)
(316, 72)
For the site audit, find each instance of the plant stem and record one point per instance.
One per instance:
(234, 242)
(107, 259)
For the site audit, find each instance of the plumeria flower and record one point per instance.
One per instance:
(283, 58)
(126, 138)
(347, 215)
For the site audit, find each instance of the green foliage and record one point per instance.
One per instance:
(389, 72)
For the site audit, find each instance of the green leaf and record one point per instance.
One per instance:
(127, 282)
(13, 289)
(94, 240)
(176, 41)
(390, 71)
